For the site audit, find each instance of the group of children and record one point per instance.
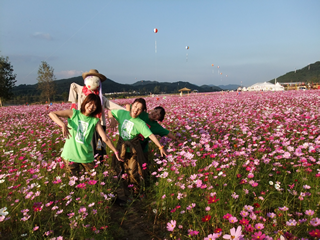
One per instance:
(136, 127)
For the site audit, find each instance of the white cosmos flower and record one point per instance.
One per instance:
(3, 211)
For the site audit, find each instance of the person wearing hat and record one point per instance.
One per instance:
(93, 84)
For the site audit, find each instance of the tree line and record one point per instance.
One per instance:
(8, 80)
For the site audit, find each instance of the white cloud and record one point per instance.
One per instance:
(41, 35)
(68, 74)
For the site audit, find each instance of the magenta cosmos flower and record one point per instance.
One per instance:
(258, 235)
(92, 182)
(81, 185)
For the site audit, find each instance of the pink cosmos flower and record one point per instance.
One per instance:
(254, 184)
(234, 234)
(244, 213)
(144, 166)
(271, 215)
(233, 220)
(199, 183)
(213, 236)
(315, 222)
(25, 218)
(253, 216)
(171, 225)
(291, 222)
(193, 232)
(234, 195)
(60, 211)
(248, 208)
(283, 208)
(250, 175)
(309, 212)
(259, 226)
(82, 210)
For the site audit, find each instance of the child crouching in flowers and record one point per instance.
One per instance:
(77, 150)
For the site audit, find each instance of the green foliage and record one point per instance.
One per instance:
(46, 80)
(7, 79)
(310, 73)
(156, 89)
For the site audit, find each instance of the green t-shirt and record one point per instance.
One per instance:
(155, 128)
(78, 148)
(130, 127)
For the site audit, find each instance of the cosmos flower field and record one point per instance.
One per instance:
(248, 168)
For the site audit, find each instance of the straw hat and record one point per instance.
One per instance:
(94, 72)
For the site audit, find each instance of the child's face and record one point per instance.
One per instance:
(154, 114)
(136, 109)
(90, 108)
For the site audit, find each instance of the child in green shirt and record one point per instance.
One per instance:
(151, 119)
(77, 150)
(132, 170)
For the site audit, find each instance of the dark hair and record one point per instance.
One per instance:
(162, 113)
(97, 102)
(142, 101)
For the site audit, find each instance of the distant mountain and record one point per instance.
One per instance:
(211, 88)
(30, 93)
(310, 73)
(144, 82)
(151, 86)
(229, 87)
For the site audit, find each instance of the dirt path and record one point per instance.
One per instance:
(134, 222)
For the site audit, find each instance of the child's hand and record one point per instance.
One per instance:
(179, 141)
(113, 124)
(65, 131)
(163, 152)
(117, 156)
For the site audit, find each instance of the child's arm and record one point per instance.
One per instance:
(106, 139)
(170, 135)
(113, 121)
(65, 114)
(155, 140)
(128, 107)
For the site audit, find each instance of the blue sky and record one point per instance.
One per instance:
(250, 41)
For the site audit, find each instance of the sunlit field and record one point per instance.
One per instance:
(248, 168)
